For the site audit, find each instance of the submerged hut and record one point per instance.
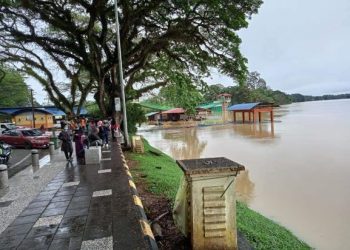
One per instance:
(175, 114)
(253, 109)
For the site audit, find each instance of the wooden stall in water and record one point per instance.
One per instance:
(254, 111)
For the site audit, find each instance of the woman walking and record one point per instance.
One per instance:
(67, 147)
(79, 146)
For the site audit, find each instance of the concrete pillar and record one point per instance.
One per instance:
(35, 158)
(4, 179)
(52, 148)
(210, 205)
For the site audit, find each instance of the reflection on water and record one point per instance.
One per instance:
(255, 130)
(298, 167)
(185, 145)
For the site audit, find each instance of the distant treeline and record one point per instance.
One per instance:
(307, 98)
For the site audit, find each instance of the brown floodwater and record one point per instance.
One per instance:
(298, 170)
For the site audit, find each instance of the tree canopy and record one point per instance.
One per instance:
(160, 40)
(13, 90)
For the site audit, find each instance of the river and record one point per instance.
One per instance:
(298, 169)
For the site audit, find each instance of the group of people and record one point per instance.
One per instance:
(94, 133)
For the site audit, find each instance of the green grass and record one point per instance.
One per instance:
(163, 177)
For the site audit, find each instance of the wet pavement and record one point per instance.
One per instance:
(82, 207)
(21, 159)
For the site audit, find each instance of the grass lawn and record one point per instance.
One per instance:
(163, 177)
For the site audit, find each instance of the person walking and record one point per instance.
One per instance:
(100, 129)
(79, 146)
(67, 147)
(105, 134)
(94, 139)
(113, 128)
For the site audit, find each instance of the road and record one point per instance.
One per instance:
(21, 158)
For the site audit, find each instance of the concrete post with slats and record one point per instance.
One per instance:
(210, 202)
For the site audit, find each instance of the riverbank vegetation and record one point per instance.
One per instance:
(162, 177)
(253, 89)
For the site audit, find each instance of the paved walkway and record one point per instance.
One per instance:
(83, 207)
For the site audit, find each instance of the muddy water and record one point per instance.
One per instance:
(298, 170)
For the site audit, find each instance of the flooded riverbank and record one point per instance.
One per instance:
(297, 169)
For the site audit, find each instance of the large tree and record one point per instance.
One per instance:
(158, 39)
(13, 90)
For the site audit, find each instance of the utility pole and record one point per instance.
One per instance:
(32, 101)
(121, 76)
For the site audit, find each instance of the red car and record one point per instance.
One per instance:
(27, 138)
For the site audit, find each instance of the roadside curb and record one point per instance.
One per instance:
(144, 224)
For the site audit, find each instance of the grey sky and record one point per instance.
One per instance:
(300, 46)
(297, 46)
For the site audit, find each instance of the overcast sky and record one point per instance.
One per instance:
(297, 46)
(300, 46)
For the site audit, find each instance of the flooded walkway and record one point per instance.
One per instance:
(82, 207)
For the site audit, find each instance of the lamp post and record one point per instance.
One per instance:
(32, 102)
(121, 76)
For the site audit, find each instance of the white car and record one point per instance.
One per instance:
(6, 126)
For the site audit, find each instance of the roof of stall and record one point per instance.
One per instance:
(211, 105)
(243, 106)
(249, 106)
(49, 109)
(174, 111)
(155, 106)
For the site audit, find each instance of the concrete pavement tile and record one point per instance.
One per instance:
(42, 231)
(75, 220)
(69, 184)
(63, 193)
(98, 231)
(19, 229)
(72, 243)
(42, 242)
(50, 192)
(46, 221)
(67, 232)
(38, 204)
(102, 193)
(25, 219)
(11, 241)
(79, 204)
(58, 204)
(126, 228)
(32, 211)
(62, 198)
(102, 243)
(81, 198)
(76, 212)
(69, 188)
(43, 198)
(102, 171)
(72, 226)
(54, 211)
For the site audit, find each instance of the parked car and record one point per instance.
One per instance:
(6, 126)
(27, 138)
